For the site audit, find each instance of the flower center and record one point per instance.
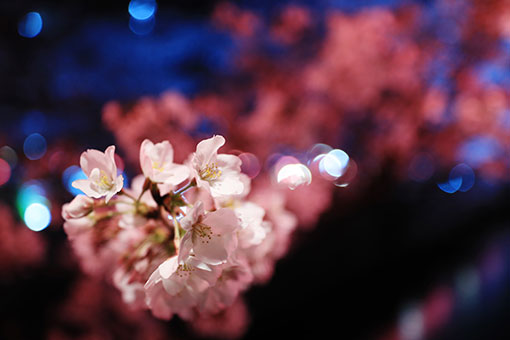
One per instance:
(184, 269)
(210, 172)
(104, 182)
(202, 233)
(157, 166)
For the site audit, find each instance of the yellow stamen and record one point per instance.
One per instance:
(210, 172)
(105, 182)
(157, 166)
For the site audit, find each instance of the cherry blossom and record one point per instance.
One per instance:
(156, 242)
(217, 173)
(101, 171)
(176, 288)
(157, 164)
(210, 236)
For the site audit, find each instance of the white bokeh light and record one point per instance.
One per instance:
(37, 216)
(294, 175)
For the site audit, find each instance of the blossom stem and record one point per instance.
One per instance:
(123, 192)
(110, 214)
(140, 196)
(177, 233)
(102, 203)
(189, 186)
(146, 185)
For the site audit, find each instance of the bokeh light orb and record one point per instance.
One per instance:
(70, 175)
(466, 174)
(281, 161)
(5, 172)
(451, 186)
(329, 167)
(30, 25)
(30, 192)
(334, 163)
(142, 9)
(250, 164)
(37, 216)
(34, 146)
(294, 175)
(461, 178)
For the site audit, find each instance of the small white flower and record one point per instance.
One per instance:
(101, 171)
(157, 163)
(212, 236)
(220, 174)
(177, 287)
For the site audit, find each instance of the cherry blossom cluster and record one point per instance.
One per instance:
(184, 239)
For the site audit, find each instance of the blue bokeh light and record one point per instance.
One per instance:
(342, 157)
(451, 186)
(70, 175)
(465, 174)
(37, 216)
(31, 192)
(334, 163)
(142, 9)
(30, 25)
(462, 178)
(34, 146)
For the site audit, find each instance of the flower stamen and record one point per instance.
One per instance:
(157, 166)
(184, 269)
(210, 172)
(104, 182)
(202, 231)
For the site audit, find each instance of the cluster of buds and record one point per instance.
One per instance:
(183, 239)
